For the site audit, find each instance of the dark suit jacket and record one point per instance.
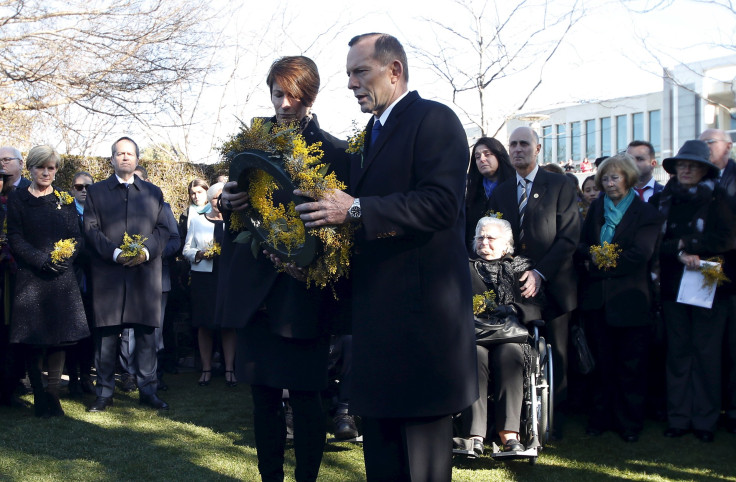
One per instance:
(253, 283)
(551, 234)
(171, 248)
(125, 295)
(623, 291)
(23, 183)
(413, 338)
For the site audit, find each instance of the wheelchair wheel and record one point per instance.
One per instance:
(543, 392)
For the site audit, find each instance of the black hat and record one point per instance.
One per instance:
(696, 151)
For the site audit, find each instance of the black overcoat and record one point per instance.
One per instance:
(125, 295)
(624, 291)
(413, 335)
(551, 233)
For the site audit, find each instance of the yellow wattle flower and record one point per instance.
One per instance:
(132, 245)
(63, 250)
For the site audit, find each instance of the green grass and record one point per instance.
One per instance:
(207, 435)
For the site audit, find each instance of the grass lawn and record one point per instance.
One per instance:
(207, 435)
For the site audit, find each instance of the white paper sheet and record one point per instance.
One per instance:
(691, 288)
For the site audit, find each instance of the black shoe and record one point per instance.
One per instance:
(100, 404)
(154, 402)
(704, 435)
(629, 436)
(230, 380)
(129, 384)
(512, 445)
(674, 432)
(40, 404)
(731, 425)
(204, 378)
(345, 426)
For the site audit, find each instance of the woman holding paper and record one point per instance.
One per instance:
(615, 302)
(698, 226)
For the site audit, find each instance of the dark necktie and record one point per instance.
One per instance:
(375, 132)
(641, 191)
(522, 206)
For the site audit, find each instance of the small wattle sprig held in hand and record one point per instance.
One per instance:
(132, 245)
(63, 250)
(605, 256)
(213, 250)
(713, 274)
(63, 198)
(484, 304)
(494, 214)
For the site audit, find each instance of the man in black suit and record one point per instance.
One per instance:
(548, 235)
(127, 289)
(12, 164)
(413, 339)
(720, 145)
(643, 154)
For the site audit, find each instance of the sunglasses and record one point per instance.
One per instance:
(80, 187)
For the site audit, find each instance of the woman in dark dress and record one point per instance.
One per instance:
(493, 268)
(283, 340)
(615, 302)
(698, 226)
(490, 165)
(47, 311)
(205, 229)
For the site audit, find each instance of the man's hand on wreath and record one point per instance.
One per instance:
(232, 199)
(332, 208)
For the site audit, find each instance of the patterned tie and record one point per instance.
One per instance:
(641, 191)
(375, 132)
(522, 206)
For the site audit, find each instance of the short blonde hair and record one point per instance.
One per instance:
(624, 163)
(41, 155)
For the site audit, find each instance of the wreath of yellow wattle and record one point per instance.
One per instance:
(282, 224)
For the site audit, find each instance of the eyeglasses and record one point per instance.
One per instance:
(80, 187)
(6, 160)
(713, 141)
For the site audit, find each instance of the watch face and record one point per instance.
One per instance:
(354, 211)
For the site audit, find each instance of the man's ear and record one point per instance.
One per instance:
(397, 70)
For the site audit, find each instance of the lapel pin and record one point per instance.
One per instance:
(536, 195)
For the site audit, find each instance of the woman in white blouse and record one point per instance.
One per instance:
(205, 231)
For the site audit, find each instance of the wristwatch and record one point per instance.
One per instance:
(354, 211)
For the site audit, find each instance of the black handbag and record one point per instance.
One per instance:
(586, 362)
(495, 330)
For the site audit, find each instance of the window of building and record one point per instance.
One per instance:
(590, 139)
(655, 130)
(575, 141)
(561, 147)
(621, 143)
(606, 136)
(547, 144)
(637, 121)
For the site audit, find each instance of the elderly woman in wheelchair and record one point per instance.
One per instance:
(502, 349)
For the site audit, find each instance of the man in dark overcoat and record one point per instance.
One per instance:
(413, 338)
(548, 235)
(127, 289)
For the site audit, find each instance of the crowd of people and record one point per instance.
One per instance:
(86, 280)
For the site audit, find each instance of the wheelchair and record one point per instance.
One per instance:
(538, 402)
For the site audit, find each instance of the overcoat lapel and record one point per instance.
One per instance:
(357, 172)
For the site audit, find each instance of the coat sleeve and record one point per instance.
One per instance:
(160, 234)
(96, 239)
(174, 243)
(435, 199)
(21, 249)
(568, 232)
(190, 244)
